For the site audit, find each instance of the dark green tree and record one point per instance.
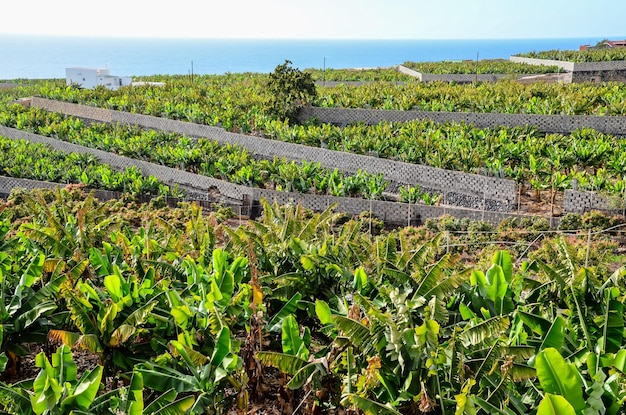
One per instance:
(289, 89)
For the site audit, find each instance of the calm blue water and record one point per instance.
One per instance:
(47, 57)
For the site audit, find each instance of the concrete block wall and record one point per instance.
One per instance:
(559, 124)
(580, 202)
(584, 71)
(565, 65)
(599, 76)
(479, 191)
(400, 214)
(9, 183)
(459, 78)
(197, 184)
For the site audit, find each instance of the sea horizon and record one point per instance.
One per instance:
(46, 57)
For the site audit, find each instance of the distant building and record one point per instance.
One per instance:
(608, 44)
(90, 78)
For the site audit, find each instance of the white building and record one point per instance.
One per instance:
(89, 78)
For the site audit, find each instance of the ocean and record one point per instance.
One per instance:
(43, 57)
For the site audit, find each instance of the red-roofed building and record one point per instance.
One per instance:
(605, 44)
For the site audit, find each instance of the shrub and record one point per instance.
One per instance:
(289, 89)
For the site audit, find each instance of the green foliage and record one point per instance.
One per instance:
(56, 389)
(483, 66)
(289, 90)
(360, 75)
(558, 377)
(38, 162)
(589, 55)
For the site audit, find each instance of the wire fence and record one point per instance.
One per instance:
(242, 210)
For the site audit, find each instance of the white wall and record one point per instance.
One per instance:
(89, 78)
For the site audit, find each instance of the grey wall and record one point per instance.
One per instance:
(196, 185)
(580, 202)
(399, 214)
(583, 71)
(459, 78)
(391, 212)
(469, 190)
(574, 66)
(563, 124)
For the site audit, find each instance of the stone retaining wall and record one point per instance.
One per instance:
(559, 124)
(580, 202)
(459, 78)
(197, 185)
(391, 212)
(399, 214)
(468, 190)
(573, 66)
(583, 71)
(7, 184)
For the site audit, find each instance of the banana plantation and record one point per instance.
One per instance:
(116, 307)
(185, 313)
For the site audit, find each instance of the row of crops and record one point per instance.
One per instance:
(202, 156)
(25, 160)
(238, 101)
(544, 162)
(484, 66)
(590, 55)
(302, 311)
(508, 97)
(534, 159)
(360, 75)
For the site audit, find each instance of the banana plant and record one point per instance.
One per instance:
(114, 320)
(56, 389)
(490, 294)
(23, 308)
(488, 339)
(561, 382)
(295, 357)
(393, 341)
(129, 400)
(186, 370)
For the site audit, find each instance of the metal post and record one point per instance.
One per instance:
(588, 248)
(476, 66)
(409, 215)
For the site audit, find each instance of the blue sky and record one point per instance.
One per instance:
(328, 19)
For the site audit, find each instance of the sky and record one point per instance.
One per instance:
(318, 19)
